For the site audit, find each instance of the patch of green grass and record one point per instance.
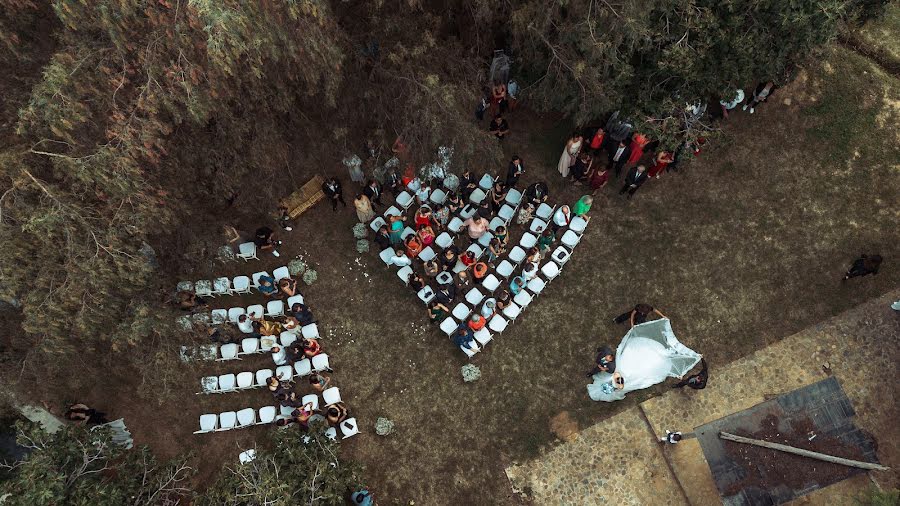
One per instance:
(884, 33)
(876, 497)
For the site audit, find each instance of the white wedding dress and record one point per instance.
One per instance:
(647, 355)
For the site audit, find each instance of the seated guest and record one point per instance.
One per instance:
(441, 216)
(301, 415)
(464, 337)
(468, 258)
(432, 268)
(449, 258)
(415, 282)
(479, 272)
(289, 399)
(526, 214)
(336, 413)
(530, 271)
(504, 298)
(488, 308)
(288, 286)
(284, 422)
(463, 282)
(245, 325)
(561, 218)
(536, 194)
(495, 249)
(454, 203)
(383, 238)
(498, 196)
(294, 352)
(302, 313)
(476, 322)
(399, 259)
(266, 286)
(423, 217)
(265, 239)
(546, 239)
(277, 386)
(311, 347)
(318, 381)
(437, 311)
(413, 246)
(422, 194)
(534, 255)
(426, 235)
(445, 294)
(269, 327)
(477, 226)
(502, 235)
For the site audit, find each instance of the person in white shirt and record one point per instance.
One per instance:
(561, 218)
(530, 271)
(399, 259)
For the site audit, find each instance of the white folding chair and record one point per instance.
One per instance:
(496, 223)
(491, 282)
(504, 270)
(222, 286)
(477, 196)
(185, 286)
(404, 273)
(427, 254)
(287, 338)
(470, 352)
(513, 197)
(536, 286)
(208, 423)
(455, 225)
(275, 308)
(468, 211)
(245, 380)
(266, 343)
(249, 345)
(516, 255)
(550, 270)
(201, 319)
(331, 395)
(426, 294)
(485, 240)
(227, 383)
(512, 312)
(523, 298)
(313, 398)
(498, 324)
(444, 240)
(256, 310)
(241, 284)
(320, 363)
(486, 182)
(331, 433)
(474, 297)
(296, 299)
(203, 288)
(303, 367)
(262, 376)
(246, 251)
(185, 322)
(392, 211)
(537, 226)
(349, 428)
(578, 224)
(386, 255)
(286, 411)
(483, 336)
(377, 223)
(284, 372)
(444, 278)
(218, 316)
(478, 250)
(506, 213)
(281, 273)
(255, 277)
(408, 231)
(267, 415)
(461, 312)
(209, 385)
(528, 241)
(438, 196)
(246, 417)
(235, 313)
(459, 267)
(228, 351)
(279, 357)
(404, 200)
(570, 239)
(560, 255)
(310, 331)
(544, 211)
(449, 325)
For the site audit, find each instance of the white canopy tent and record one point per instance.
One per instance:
(648, 354)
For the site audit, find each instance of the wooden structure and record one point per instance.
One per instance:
(307, 196)
(802, 452)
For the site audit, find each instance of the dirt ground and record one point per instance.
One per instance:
(742, 247)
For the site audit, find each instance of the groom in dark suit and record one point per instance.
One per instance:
(635, 178)
(618, 155)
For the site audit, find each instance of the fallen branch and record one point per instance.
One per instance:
(802, 452)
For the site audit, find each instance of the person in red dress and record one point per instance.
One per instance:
(597, 140)
(663, 159)
(638, 142)
(599, 178)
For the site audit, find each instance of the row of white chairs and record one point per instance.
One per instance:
(264, 344)
(228, 286)
(248, 380)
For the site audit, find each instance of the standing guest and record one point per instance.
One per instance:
(476, 322)
(441, 216)
(583, 206)
(265, 239)
(383, 238)
(334, 192)
(569, 154)
(762, 92)
(663, 159)
(84, 415)
(581, 168)
(512, 92)
(546, 239)
(863, 266)
(363, 208)
(499, 127)
(598, 179)
(399, 259)
(483, 104)
(605, 361)
(561, 218)
(437, 311)
(284, 218)
(498, 98)
(638, 315)
(537, 194)
(454, 203)
(618, 156)
(495, 249)
(514, 171)
(638, 142)
(695, 381)
(597, 140)
(422, 194)
(423, 217)
(394, 182)
(318, 381)
(373, 192)
(468, 183)
(498, 196)
(477, 226)
(727, 106)
(635, 178)
(671, 437)
(415, 282)
(396, 228)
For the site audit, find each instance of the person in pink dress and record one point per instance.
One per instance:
(638, 142)
(663, 159)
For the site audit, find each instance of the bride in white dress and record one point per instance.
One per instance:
(569, 154)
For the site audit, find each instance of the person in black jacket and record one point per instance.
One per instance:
(863, 266)
(536, 194)
(333, 190)
(373, 191)
(635, 178)
(394, 183)
(383, 238)
(514, 171)
(618, 156)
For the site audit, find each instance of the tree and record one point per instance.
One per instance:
(80, 467)
(302, 468)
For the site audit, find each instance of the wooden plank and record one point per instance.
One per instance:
(304, 198)
(802, 452)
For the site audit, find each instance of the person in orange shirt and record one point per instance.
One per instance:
(477, 322)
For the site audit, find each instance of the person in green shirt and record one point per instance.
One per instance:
(583, 205)
(546, 239)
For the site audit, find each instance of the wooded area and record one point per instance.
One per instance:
(136, 117)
